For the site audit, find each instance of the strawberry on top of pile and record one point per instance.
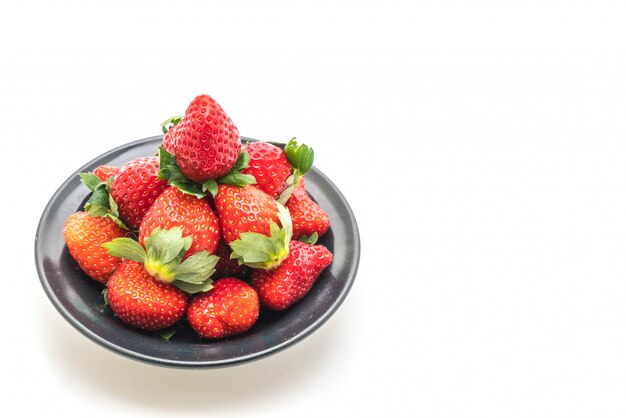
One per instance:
(207, 230)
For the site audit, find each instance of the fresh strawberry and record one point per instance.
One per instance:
(308, 217)
(226, 266)
(269, 166)
(169, 142)
(170, 171)
(206, 142)
(140, 300)
(168, 126)
(287, 284)
(230, 308)
(135, 188)
(104, 172)
(164, 259)
(193, 215)
(84, 236)
(247, 215)
(244, 209)
(248, 220)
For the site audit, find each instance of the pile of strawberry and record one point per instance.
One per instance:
(208, 230)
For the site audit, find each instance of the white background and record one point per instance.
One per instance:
(481, 144)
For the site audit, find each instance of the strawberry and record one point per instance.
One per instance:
(104, 172)
(135, 188)
(227, 267)
(248, 220)
(206, 142)
(269, 166)
(308, 217)
(163, 257)
(244, 209)
(193, 215)
(170, 171)
(230, 308)
(168, 141)
(84, 236)
(168, 126)
(143, 302)
(287, 284)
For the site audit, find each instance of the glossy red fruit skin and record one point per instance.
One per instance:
(169, 141)
(288, 283)
(227, 267)
(307, 216)
(84, 236)
(244, 209)
(269, 166)
(230, 308)
(206, 142)
(135, 188)
(105, 171)
(195, 216)
(143, 302)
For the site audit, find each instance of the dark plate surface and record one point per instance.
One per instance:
(79, 299)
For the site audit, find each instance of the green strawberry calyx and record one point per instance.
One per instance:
(163, 259)
(101, 202)
(301, 158)
(259, 251)
(170, 171)
(170, 122)
(167, 333)
(309, 239)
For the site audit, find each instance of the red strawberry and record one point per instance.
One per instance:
(230, 308)
(105, 171)
(306, 215)
(142, 301)
(169, 141)
(206, 142)
(269, 166)
(168, 126)
(244, 209)
(84, 236)
(195, 217)
(289, 282)
(248, 217)
(227, 267)
(135, 188)
(163, 257)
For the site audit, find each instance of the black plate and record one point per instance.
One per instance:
(79, 299)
